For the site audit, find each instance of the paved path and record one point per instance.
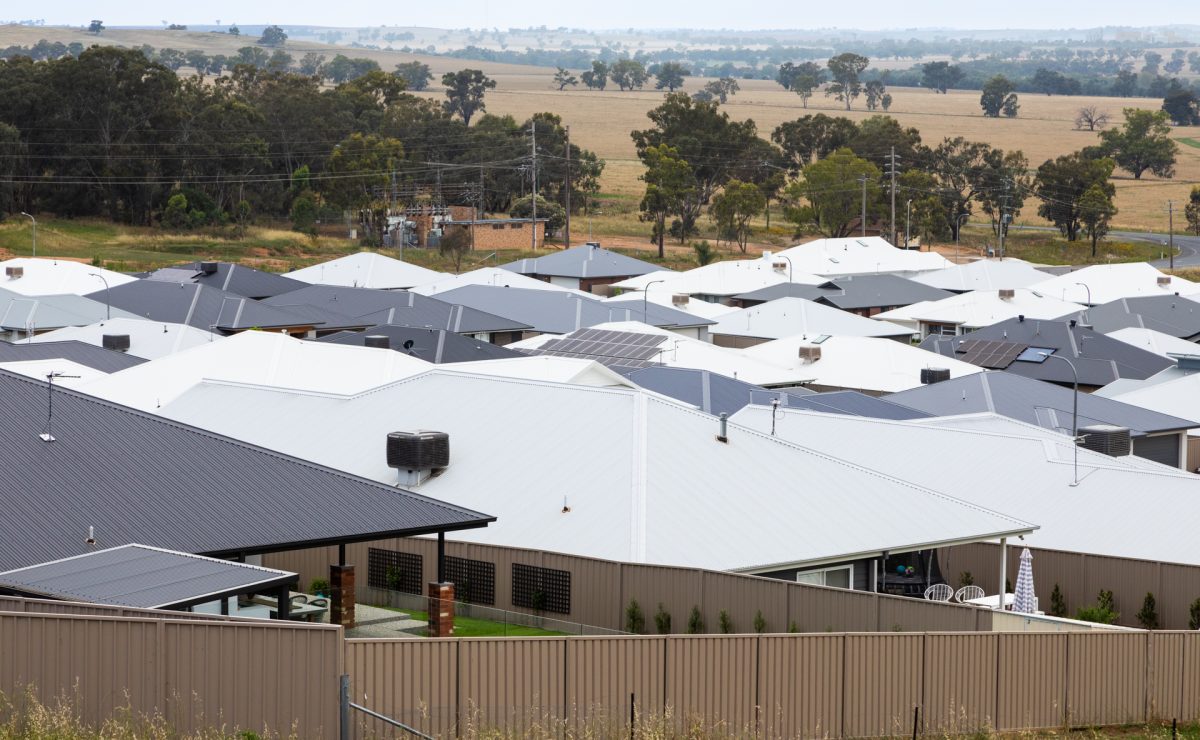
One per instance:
(371, 621)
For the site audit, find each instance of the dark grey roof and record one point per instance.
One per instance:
(585, 262)
(19, 312)
(1035, 402)
(358, 308)
(561, 312)
(230, 277)
(432, 345)
(708, 391)
(82, 353)
(853, 403)
(852, 293)
(1169, 314)
(198, 305)
(136, 477)
(1099, 359)
(141, 577)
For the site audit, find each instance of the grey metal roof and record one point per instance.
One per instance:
(358, 308)
(137, 477)
(853, 403)
(587, 261)
(432, 345)
(1099, 359)
(708, 391)
(197, 305)
(88, 355)
(1034, 402)
(20, 312)
(1170, 314)
(140, 576)
(562, 312)
(230, 277)
(851, 293)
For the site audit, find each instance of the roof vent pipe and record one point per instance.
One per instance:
(722, 435)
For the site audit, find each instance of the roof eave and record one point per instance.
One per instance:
(350, 539)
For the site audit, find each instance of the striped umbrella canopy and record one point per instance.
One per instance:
(1023, 597)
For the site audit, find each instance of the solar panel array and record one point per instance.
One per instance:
(612, 348)
(992, 354)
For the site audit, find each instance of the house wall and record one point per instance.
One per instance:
(1163, 448)
(505, 235)
(736, 342)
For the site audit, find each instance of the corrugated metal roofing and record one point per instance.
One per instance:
(432, 345)
(984, 274)
(1174, 315)
(366, 270)
(139, 576)
(710, 392)
(786, 317)
(230, 277)
(853, 403)
(850, 293)
(147, 339)
(1034, 402)
(48, 276)
(1099, 284)
(860, 255)
(586, 261)
(197, 305)
(562, 313)
(136, 477)
(1098, 359)
(23, 313)
(370, 307)
(89, 355)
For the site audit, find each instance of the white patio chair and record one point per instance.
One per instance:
(967, 593)
(939, 592)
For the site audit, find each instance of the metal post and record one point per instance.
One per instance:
(790, 266)
(567, 225)
(645, 298)
(34, 231)
(441, 556)
(344, 707)
(1003, 571)
(1171, 227)
(533, 148)
(958, 233)
(632, 715)
(916, 720)
(892, 163)
(907, 222)
(1074, 409)
(107, 304)
(863, 179)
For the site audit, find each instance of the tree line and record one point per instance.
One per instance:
(111, 133)
(822, 168)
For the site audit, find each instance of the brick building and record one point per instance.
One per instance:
(500, 233)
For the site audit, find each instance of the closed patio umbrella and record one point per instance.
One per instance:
(1024, 599)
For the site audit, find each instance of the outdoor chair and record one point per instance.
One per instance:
(939, 592)
(967, 593)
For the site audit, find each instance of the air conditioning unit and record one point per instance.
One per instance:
(680, 299)
(809, 353)
(1007, 294)
(1164, 281)
(116, 342)
(14, 272)
(780, 266)
(208, 268)
(931, 375)
(419, 450)
(377, 340)
(1110, 440)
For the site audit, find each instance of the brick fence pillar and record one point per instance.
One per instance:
(341, 583)
(441, 609)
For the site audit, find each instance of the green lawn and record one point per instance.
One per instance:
(1190, 142)
(471, 627)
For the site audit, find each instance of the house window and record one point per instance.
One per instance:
(516, 226)
(541, 589)
(474, 580)
(497, 226)
(394, 571)
(841, 576)
(942, 330)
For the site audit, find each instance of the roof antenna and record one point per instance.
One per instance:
(774, 414)
(46, 435)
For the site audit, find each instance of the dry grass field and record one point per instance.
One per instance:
(601, 121)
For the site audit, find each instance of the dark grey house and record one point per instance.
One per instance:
(82, 353)
(1021, 346)
(1173, 315)
(229, 277)
(1156, 436)
(432, 345)
(582, 268)
(865, 295)
(202, 307)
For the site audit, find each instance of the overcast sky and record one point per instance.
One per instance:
(865, 14)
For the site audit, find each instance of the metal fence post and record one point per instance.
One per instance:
(344, 707)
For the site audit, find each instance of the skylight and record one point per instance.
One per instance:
(1035, 354)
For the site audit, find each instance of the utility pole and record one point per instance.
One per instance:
(1004, 219)
(892, 171)
(567, 226)
(482, 193)
(863, 219)
(534, 196)
(1171, 228)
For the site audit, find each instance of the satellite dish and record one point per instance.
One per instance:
(408, 344)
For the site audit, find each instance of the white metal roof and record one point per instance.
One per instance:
(605, 472)
(694, 306)
(68, 373)
(984, 274)
(548, 368)
(489, 276)
(1173, 391)
(55, 276)
(980, 308)
(1155, 341)
(267, 358)
(1124, 507)
(866, 364)
(147, 339)
(727, 278)
(681, 351)
(366, 270)
(869, 255)
(785, 317)
(1104, 283)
